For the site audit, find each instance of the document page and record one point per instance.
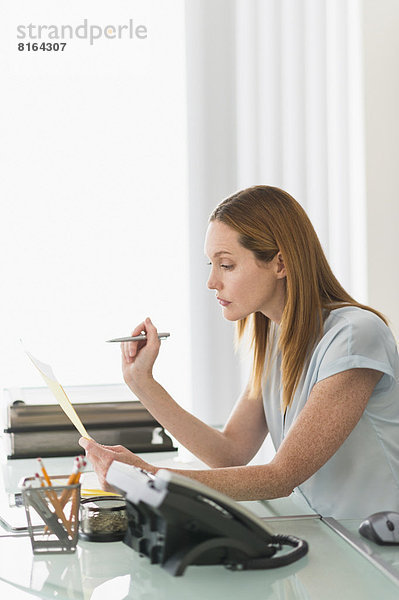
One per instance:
(47, 373)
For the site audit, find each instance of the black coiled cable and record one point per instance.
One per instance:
(300, 548)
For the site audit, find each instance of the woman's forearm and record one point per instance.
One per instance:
(255, 482)
(258, 482)
(213, 447)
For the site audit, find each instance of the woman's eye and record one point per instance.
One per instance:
(227, 267)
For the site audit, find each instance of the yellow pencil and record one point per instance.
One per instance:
(54, 500)
(45, 474)
(73, 479)
(91, 492)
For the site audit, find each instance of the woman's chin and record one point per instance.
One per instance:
(231, 315)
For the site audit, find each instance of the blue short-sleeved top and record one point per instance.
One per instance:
(362, 477)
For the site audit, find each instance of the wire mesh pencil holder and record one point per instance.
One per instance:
(58, 510)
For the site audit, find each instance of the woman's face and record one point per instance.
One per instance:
(242, 283)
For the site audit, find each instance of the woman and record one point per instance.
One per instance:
(325, 371)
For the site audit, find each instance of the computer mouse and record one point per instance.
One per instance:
(381, 528)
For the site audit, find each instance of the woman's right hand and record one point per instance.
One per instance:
(138, 357)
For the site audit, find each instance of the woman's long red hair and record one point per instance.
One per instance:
(268, 220)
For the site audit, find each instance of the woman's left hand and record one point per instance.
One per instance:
(101, 458)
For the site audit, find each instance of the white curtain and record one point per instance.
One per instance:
(274, 97)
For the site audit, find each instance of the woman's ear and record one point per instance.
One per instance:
(280, 266)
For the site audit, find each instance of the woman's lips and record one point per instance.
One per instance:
(223, 302)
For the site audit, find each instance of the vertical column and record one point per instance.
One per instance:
(381, 84)
(293, 99)
(269, 125)
(337, 140)
(356, 156)
(247, 81)
(211, 83)
(315, 117)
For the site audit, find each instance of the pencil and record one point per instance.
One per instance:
(45, 474)
(52, 496)
(41, 507)
(98, 492)
(74, 477)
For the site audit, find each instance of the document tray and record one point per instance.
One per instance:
(44, 429)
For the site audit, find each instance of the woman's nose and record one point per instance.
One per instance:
(212, 283)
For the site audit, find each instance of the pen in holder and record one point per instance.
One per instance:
(58, 508)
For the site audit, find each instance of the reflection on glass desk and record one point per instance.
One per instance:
(385, 558)
(333, 568)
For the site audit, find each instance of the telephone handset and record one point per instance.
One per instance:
(176, 521)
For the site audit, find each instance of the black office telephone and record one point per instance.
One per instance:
(176, 522)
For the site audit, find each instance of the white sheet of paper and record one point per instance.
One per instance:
(47, 373)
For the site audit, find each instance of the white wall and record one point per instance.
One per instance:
(93, 206)
(381, 85)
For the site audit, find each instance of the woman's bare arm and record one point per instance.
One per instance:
(235, 445)
(333, 409)
(239, 441)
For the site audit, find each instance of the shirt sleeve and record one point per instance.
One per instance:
(359, 340)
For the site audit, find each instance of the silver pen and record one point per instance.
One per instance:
(138, 338)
